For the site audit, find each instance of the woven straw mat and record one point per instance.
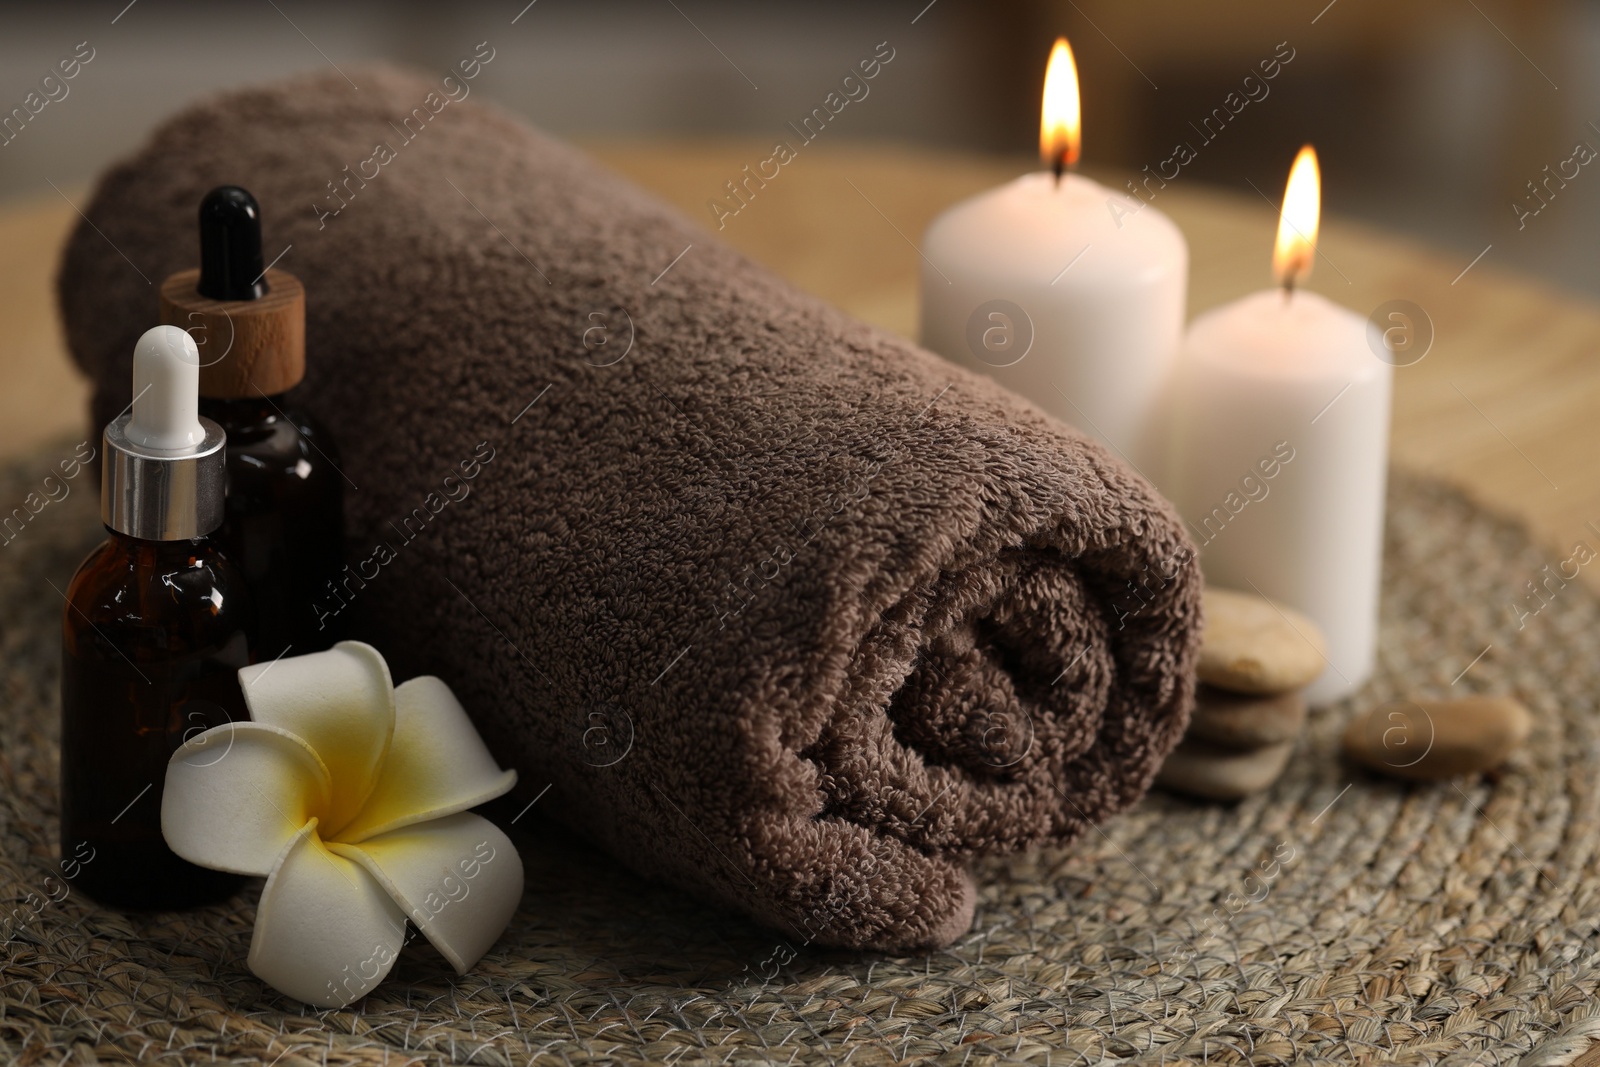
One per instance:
(1337, 918)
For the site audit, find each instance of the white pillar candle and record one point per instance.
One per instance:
(1279, 450)
(1063, 290)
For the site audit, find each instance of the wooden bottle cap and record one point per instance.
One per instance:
(248, 348)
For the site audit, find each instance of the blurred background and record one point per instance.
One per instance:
(1433, 118)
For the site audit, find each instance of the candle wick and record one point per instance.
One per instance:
(1061, 163)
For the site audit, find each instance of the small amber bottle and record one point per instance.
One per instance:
(156, 626)
(284, 527)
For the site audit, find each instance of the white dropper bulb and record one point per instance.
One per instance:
(166, 391)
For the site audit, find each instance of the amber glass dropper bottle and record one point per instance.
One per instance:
(285, 511)
(156, 626)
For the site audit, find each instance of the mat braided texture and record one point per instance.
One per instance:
(1337, 918)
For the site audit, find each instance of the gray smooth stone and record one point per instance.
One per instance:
(1211, 772)
(1245, 721)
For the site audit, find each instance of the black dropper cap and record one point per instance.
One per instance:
(230, 246)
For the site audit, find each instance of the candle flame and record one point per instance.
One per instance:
(1060, 120)
(1296, 247)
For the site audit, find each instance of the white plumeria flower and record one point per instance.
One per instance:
(350, 796)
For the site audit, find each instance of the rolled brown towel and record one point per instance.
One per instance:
(789, 611)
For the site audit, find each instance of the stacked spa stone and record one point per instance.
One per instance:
(1250, 706)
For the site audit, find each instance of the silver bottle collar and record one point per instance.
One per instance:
(160, 494)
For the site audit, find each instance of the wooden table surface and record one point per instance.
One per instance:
(1506, 403)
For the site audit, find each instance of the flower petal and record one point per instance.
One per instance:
(458, 878)
(326, 933)
(236, 794)
(342, 703)
(437, 764)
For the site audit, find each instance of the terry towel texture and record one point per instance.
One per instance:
(788, 611)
